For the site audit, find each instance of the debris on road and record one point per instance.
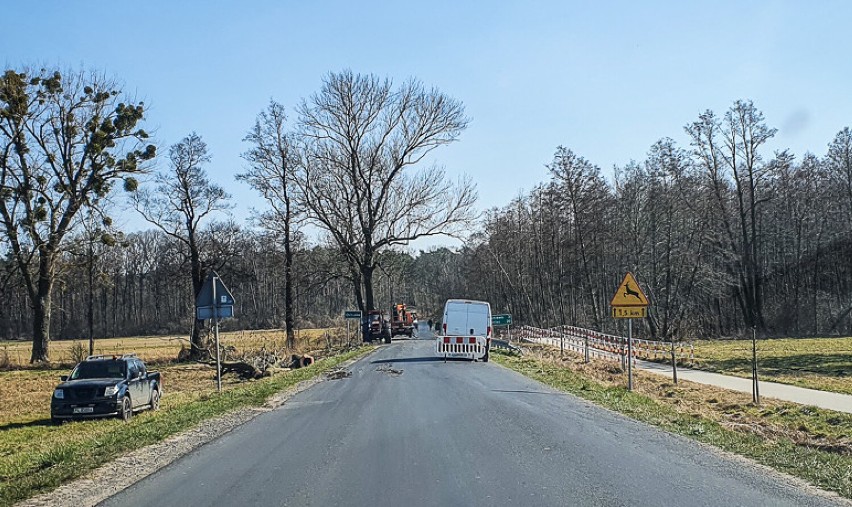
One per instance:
(338, 374)
(389, 369)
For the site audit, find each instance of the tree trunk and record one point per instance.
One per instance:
(197, 345)
(288, 284)
(91, 301)
(41, 312)
(367, 279)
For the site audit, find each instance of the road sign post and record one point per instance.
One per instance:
(349, 315)
(216, 335)
(629, 302)
(214, 301)
(501, 320)
(629, 354)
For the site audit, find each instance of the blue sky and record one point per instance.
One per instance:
(605, 79)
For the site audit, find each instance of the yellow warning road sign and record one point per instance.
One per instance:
(629, 294)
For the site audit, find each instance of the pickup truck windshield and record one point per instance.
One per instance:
(99, 369)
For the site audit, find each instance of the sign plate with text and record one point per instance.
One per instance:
(501, 320)
(629, 312)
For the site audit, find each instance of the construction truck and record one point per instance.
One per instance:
(403, 320)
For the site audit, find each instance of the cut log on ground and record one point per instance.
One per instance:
(298, 361)
(243, 370)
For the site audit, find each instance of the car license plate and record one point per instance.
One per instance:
(84, 410)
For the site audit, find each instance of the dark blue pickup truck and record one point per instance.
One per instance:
(106, 385)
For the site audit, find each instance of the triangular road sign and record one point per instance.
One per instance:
(629, 293)
(205, 295)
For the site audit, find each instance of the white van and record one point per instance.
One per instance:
(466, 330)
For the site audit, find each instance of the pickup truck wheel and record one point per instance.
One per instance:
(126, 409)
(155, 399)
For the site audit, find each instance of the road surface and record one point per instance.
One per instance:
(407, 429)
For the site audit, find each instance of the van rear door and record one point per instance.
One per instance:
(466, 330)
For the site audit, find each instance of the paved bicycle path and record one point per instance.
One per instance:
(785, 392)
(823, 399)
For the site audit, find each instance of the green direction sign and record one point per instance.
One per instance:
(501, 320)
(352, 314)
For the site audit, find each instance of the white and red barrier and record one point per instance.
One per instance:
(606, 346)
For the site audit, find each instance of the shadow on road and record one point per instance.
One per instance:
(409, 360)
(525, 392)
(430, 359)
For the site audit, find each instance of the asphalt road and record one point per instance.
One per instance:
(407, 429)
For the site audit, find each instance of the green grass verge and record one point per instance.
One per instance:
(23, 474)
(815, 363)
(824, 469)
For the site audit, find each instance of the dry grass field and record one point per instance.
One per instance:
(816, 363)
(25, 391)
(161, 349)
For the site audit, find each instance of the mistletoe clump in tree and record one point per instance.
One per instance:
(65, 139)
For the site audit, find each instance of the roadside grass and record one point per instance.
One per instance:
(161, 349)
(36, 457)
(816, 363)
(807, 442)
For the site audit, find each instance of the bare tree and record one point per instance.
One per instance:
(839, 164)
(674, 258)
(184, 197)
(96, 237)
(272, 166)
(728, 151)
(586, 197)
(361, 143)
(64, 140)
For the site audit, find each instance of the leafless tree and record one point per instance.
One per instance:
(839, 165)
(272, 166)
(586, 198)
(64, 140)
(362, 144)
(184, 198)
(729, 152)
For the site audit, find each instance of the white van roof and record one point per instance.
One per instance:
(467, 301)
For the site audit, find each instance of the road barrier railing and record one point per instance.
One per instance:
(606, 346)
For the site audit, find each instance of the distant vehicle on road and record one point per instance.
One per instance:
(378, 327)
(466, 330)
(106, 385)
(403, 320)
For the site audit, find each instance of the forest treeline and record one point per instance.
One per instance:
(723, 236)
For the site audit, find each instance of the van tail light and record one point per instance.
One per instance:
(446, 339)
